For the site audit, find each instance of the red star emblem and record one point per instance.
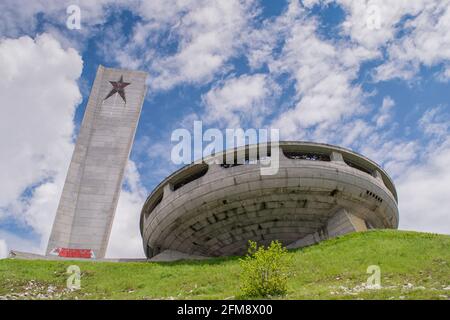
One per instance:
(118, 87)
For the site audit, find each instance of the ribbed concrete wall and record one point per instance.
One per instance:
(342, 222)
(93, 183)
(219, 212)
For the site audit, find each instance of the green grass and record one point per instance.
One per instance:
(413, 266)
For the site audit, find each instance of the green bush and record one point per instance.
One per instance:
(264, 272)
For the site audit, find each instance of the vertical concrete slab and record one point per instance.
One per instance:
(342, 222)
(89, 199)
(309, 240)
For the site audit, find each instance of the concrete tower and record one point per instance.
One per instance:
(89, 199)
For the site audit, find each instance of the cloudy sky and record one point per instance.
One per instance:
(373, 76)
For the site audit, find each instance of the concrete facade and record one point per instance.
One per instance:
(319, 192)
(170, 255)
(88, 202)
(339, 224)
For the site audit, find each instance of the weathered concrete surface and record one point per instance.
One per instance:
(88, 202)
(217, 213)
(339, 224)
(171, 255)
(344, 222)
(165, 256)
(32, 256)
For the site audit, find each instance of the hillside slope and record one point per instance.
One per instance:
(413, 266)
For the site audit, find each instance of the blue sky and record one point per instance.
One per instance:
(372, 76)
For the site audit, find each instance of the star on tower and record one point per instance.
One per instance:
(118, 87)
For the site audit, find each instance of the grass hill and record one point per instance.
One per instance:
(413, 266)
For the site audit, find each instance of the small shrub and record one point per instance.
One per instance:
(264, 272)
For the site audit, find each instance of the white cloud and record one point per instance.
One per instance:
(208, 36)
(435, 122)
(323, 72)
(444, 76)
(239, 100)
(196, 38)
(20, 17)
(385, 113)
(376, 24)
(155, 155)
(373, 23)
(125, 240)
(199, 37)
(420, 170)
(3, 249)
(428, 43)
(39, 94)
(182, 41)
(424, 193)
(17, 242)
(354, 131)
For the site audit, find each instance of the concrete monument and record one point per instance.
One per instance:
(89, 199)
(320, 192)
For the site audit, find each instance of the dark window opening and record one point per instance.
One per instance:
(357, 167)
(154, 203)
(374, 196)
(297, 155)
(199, 172)
(235, 162)
(227, 166)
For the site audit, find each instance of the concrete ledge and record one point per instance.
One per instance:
(166, 256)
(33, 256)
(339, 224)
(171, 255)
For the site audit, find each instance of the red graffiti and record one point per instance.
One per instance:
(74, 253)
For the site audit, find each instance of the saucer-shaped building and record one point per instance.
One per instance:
(319, 192)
